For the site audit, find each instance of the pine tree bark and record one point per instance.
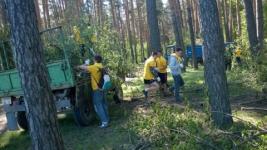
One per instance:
(128, 23)
(215, 75)
(230, 21)
(141, 27)
(3, 18)
(44, 14)
(47, 14)
(28, 53)
(238, 18)
(152, 20)
(251, 27)
(260, 22)
(120, 26)
(192, 35)
(176, 23)
(37, 9)
(112, 10)
(133, 31)
(225, 20)
(195, 11)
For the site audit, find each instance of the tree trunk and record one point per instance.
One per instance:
(251, 27)
(196, 17)
(99, 10)
(225, 19)
(141, 28)
(126, 9)
(192, 35)
(121, 28)
(47, 14)
(28, 53)
(37, 9)
(44, 14)
(219, 6)
(215, 75)
(182, 21)
(133, 31)
(3, 18)
(176, 24)
(112, 10)
(152, 20)
(56, 16)
(230, 22)
(260, 22)
(238, 18)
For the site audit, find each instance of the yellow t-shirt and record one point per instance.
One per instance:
(238, 53)
(95, 72)
(150, 62)
(161, 64)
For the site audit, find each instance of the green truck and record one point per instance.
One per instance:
(71, 88)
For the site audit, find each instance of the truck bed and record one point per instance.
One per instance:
(60, 78)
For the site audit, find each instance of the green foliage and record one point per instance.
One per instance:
(109, 46)
(254, 67)
(173, 128)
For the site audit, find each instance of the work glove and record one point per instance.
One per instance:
(158, 79)
(87, 62)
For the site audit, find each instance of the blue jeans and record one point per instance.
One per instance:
(176, 86)
(100, 105)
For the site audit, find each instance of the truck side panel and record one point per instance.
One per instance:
(60, 77)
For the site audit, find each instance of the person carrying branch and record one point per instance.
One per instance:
(176, 66)
(99, 101)
(151, 75)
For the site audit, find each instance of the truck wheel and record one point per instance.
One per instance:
(83, 115)
(118, 95)
(22, 120)
(83, 109)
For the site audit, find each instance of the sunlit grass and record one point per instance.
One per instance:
(14, 140)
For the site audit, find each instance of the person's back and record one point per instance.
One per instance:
(161, 64)
(95, 72)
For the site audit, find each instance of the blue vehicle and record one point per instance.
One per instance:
(198, 51)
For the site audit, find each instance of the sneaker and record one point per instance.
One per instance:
(146, 94)
(104, 125)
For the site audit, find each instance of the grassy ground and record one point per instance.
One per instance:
(161, 124)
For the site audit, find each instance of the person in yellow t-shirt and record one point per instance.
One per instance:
(99, 100)
(150, 75)
(161, 63)
(238, 55)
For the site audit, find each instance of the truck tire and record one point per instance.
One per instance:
(22, 120)
(83, 116)
(83, 109)
(118, 95)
